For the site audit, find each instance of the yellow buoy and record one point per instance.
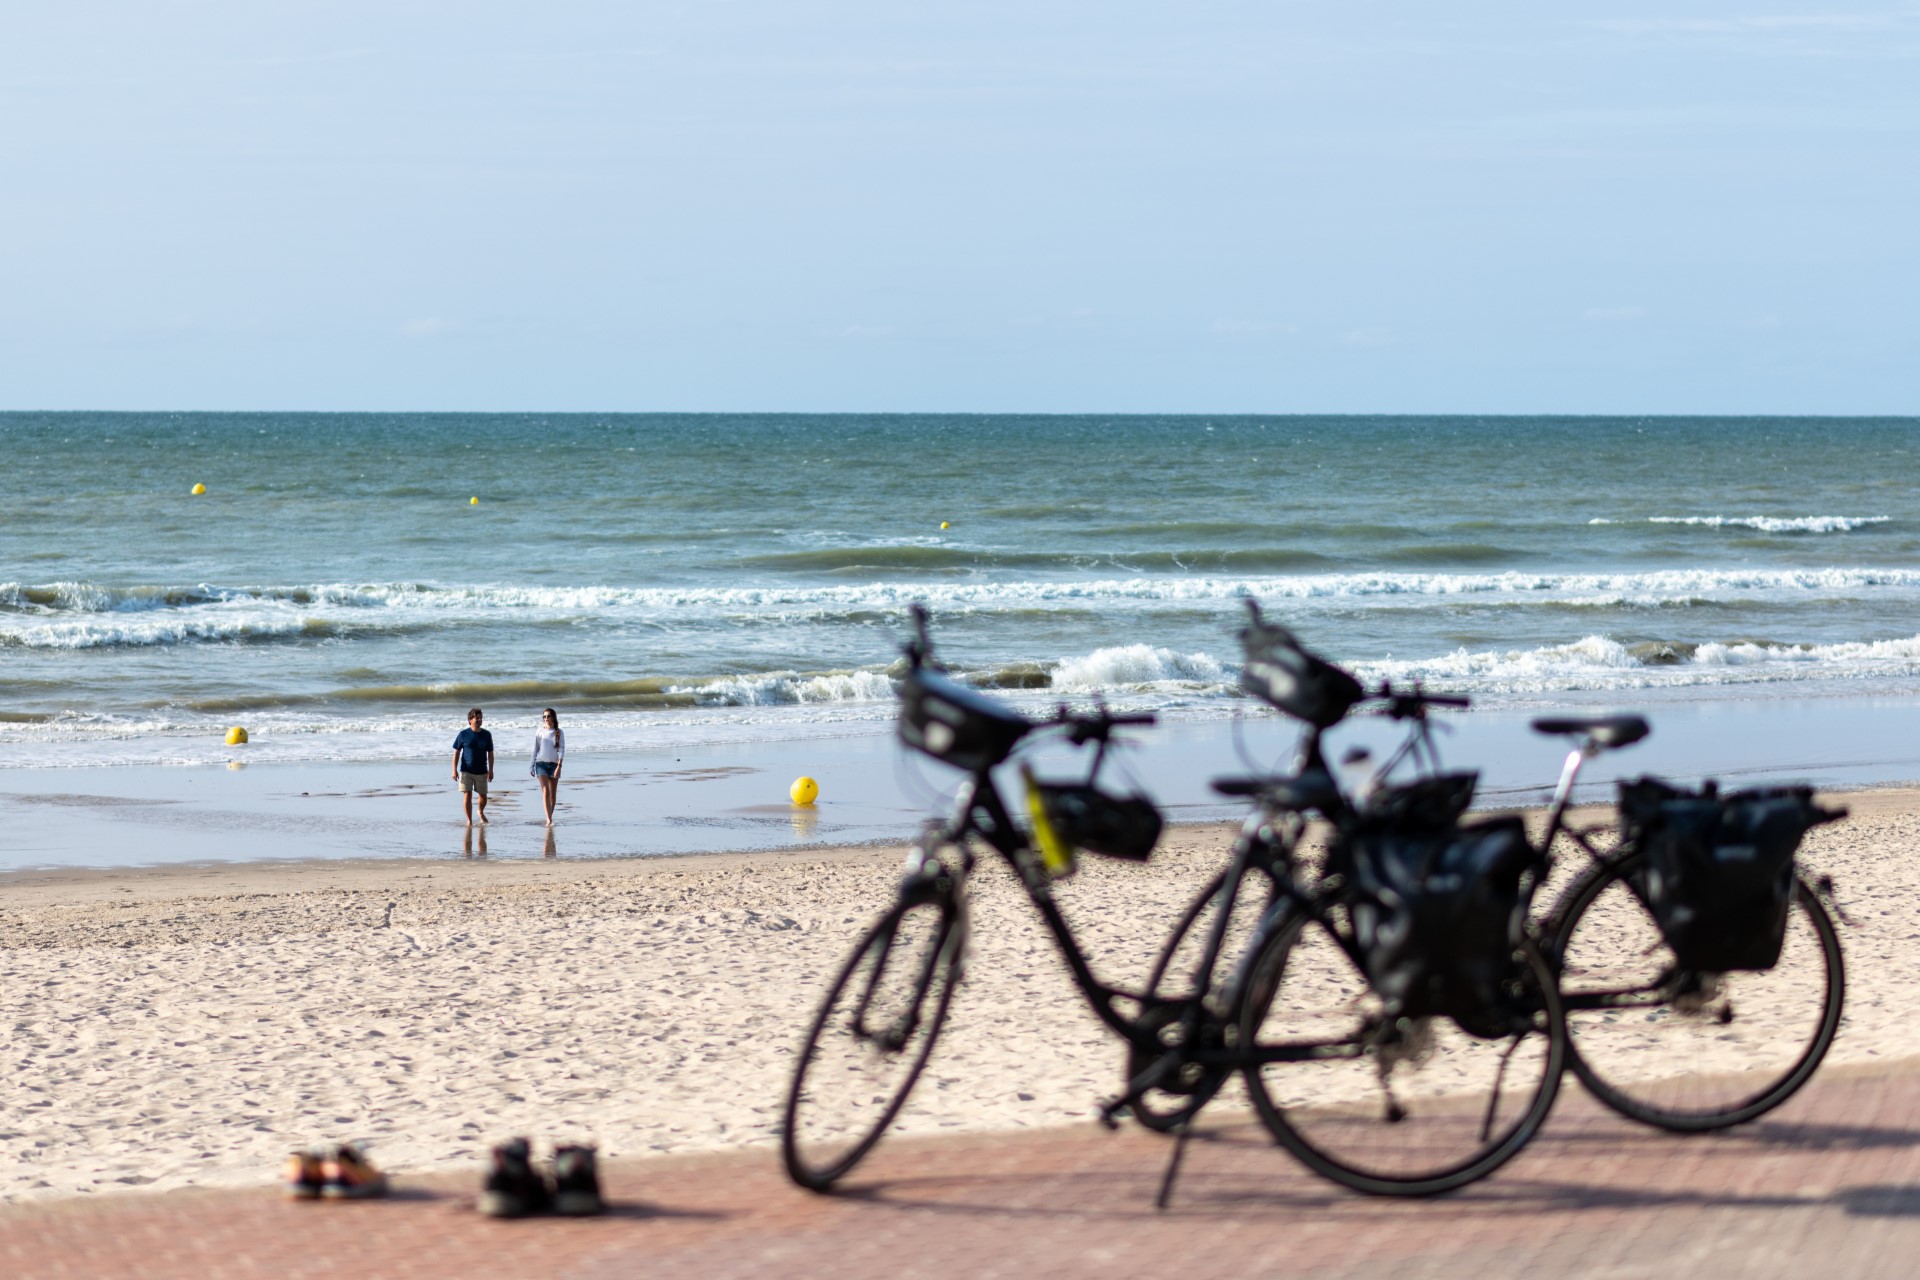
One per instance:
(804, 790)
(199, 489)
(236, 736)
(943, 524)
(473, 502)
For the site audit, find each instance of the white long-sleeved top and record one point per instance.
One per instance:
(549, 746)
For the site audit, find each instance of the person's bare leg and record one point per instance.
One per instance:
(549, 795)
(466, 805)
(483, 811)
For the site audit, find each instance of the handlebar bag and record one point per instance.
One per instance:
(1718, 875)
(1437, 918)
(1282, 673)
(956, 725)
(1086, 817)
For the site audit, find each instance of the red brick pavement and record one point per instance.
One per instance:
(1827, 1187)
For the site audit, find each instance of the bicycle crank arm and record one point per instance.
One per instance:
(1166, 1065)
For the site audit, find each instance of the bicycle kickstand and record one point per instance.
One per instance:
(1181, 1135)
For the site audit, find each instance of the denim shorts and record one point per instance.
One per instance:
(545, 768)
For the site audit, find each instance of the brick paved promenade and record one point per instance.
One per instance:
(1828, 1187)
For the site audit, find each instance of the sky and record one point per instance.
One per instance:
(1084, 206)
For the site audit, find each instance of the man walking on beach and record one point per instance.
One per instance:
(473, 764)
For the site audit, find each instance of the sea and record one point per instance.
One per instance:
(348, 584)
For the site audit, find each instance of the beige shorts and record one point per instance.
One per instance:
(474, 782)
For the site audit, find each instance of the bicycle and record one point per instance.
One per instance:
(1610, 949)
(885, 1009)
(1747, 991)
(1439, 1054)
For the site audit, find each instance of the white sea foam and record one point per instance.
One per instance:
(791, 704)
(1596, 662)
(1766, 524)
(159, 631)
(77, 615)
(1140, 667)
(786, 687)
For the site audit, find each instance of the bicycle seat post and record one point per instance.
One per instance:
(1563, 792)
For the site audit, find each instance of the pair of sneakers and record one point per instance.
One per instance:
(515, 1189)
(340, 1172)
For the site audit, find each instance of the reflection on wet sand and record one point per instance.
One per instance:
(473, 843)
(548, 849)
(806, 821)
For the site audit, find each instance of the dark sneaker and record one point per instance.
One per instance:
(346, 1174)
(513, 1188)
(302, 1176)
(576, 1186)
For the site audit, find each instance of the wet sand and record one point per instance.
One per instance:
(189, 1025)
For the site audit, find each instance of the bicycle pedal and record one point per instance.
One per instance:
(1109, 1115)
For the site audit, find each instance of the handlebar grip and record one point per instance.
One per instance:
(1134, 717)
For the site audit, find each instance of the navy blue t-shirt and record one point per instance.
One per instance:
(473, 746)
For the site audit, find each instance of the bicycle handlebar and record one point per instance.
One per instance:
(1099, 726)
(1412, 704)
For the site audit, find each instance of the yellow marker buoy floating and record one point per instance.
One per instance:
(473, 502)
(804, 790)
(199, 489)
(943, 524)
(236, 736)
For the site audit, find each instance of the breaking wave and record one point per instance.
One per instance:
(71, 615)
(1766, 524)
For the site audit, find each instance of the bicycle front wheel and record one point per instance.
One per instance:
(870, 1041)
(1404, 1106)
(1691, 1052)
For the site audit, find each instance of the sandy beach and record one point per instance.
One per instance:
(189, 1025)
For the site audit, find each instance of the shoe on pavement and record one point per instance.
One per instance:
(576, 1186)
(303, 1176)
(514, 1188)
(348, 1175)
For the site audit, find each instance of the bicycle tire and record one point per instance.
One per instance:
(1327, 1114)
(821, 1140)
(1746, 1075)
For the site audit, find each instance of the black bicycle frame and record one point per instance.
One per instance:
(982, 812)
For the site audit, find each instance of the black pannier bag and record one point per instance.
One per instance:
(1718, 875)
(1428, 806)
(1433, 804)
(1437, 914)
(1086, 817)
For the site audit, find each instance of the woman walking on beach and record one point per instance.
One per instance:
(549, 751)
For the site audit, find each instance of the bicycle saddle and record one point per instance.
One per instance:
(1608, 731)
(1311, 790)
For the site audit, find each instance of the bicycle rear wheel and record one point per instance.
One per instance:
(1174, 977)
(1411, 1107)
(1732, 1047)
(1174, 969)
(870, 1041)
